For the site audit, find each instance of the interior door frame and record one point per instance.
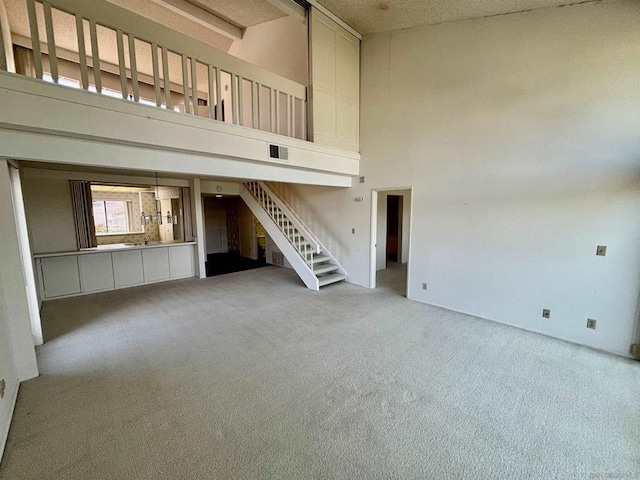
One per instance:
(374, 232)
(635, 340)
(399, 227)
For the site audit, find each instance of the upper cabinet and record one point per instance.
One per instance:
(335, 84)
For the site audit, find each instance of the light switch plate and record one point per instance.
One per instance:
(546, 313)
(601, 250)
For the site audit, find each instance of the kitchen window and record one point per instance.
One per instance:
(112, 217)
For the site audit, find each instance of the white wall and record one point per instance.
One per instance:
(248, 235)
(280, 46)
(49, 210)
(519, 135)
(8, 374)
(17, 352)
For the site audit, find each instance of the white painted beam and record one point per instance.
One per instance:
(81, 152)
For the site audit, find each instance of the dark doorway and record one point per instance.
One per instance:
(222, 263)
(232, 239)
(394, 228)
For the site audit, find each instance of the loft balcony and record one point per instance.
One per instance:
(82, 77)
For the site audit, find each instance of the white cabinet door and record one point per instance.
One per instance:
(155, 262)
(127, 268)
(96, 272)
(335, 84)
(181, 261)
(60, 276)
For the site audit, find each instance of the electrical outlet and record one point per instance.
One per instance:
(601, 250)
(591, 323)
(353, 231)
(546, 313)
(3, 386)
(424, 286)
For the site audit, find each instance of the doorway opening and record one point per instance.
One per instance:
(391, 222)
(234, 239)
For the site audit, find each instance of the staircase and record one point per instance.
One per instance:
(308, 257)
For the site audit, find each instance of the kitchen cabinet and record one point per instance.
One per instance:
(155, 263)
(127, 268)
(181, 261)
(59, 276)
(96, 272)
(108, 268)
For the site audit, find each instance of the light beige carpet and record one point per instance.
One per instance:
(252, 376)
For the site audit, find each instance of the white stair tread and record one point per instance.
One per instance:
(329, 267)
(329, 279)
(321, 258)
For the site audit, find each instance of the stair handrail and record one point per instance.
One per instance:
(293, 217)
(255, 190)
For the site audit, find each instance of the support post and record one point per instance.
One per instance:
(7, 62)
(198, 213)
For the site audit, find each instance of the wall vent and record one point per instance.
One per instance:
(277, 258)
(276, 151)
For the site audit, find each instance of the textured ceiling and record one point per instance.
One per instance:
(371, 16)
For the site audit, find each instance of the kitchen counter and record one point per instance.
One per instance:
(111, 267)
(114, 247)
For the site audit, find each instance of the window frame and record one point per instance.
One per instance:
(129, 220)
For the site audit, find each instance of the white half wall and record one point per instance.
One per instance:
(100, 131)
(519, 136)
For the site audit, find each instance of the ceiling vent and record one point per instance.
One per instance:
(276, 151)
